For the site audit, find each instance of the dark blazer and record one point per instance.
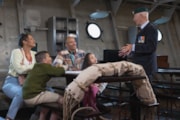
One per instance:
(145, 49)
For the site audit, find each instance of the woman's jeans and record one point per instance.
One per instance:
(13, 90)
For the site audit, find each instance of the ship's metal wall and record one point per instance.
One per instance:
(11, 14)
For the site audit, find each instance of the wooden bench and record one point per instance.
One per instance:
(168, 91)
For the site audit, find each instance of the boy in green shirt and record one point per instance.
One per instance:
(34, 87)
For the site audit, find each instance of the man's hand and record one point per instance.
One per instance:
(125, 50)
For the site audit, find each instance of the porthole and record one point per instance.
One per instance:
(93, 30)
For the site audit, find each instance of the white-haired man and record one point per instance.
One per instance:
(71, 56)
(143, 51)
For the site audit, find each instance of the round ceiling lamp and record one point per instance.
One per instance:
(99, 14)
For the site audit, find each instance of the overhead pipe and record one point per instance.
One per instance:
(163, 4)
(19, 4)
(114, 28)
(75, 2)
(158, 3)
(115, 5)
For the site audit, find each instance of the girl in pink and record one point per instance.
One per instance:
(94, 89)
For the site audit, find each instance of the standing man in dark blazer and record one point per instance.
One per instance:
(143, 51)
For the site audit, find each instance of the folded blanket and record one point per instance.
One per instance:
(75, 91)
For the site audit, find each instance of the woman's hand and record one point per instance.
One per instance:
(21, 79)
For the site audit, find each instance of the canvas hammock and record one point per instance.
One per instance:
(74, 92)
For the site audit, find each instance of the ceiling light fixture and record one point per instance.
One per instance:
(99, 15)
